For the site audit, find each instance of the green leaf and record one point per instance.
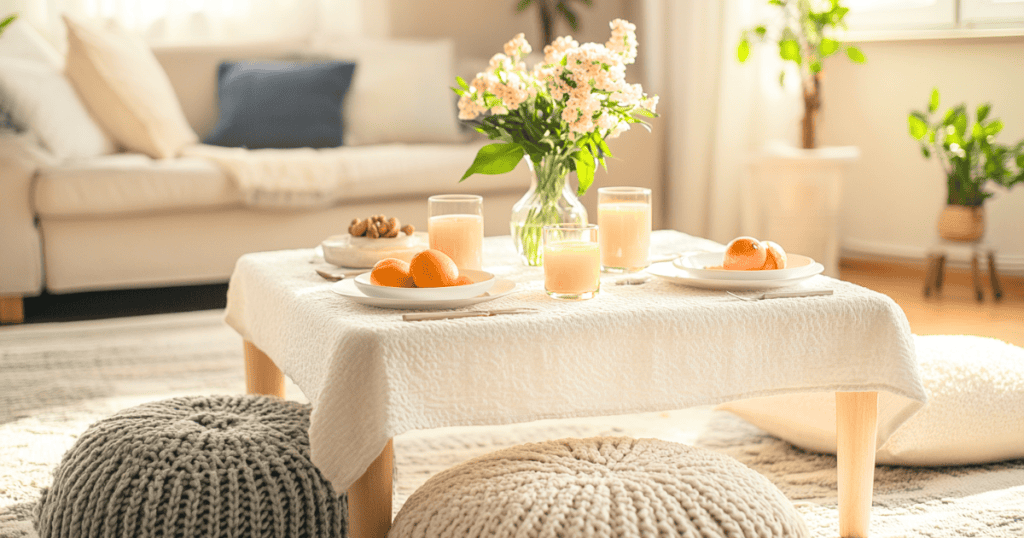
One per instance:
(570, 16)
(815, 67)
(495, 159)
(828, 47)
(743, 51)
(775, 3)
(6, 22)
(522, 5)
(462, 83)
(584, 170)
(760, 31)
(977, 133)
(918, 125)
(960, 121)
(789, 49)
(856, 55)
(994, 128)
(983, 111)
(926, 152)
(933, 103)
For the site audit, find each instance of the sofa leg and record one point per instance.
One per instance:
(12, 309)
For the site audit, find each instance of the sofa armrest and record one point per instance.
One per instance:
(21, 259)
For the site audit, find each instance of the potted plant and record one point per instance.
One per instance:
(549, 11)
(804, 37)
(971, 158)
(804, 184)
(557, 116)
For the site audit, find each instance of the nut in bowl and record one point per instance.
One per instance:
(481, 282)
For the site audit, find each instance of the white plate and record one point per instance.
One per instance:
(362, 252)
(482, 281)
(671, 273)
(695, 263)
(347, 288)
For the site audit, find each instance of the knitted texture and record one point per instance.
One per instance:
(599, 487)
(197, 466)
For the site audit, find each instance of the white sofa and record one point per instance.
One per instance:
(125, 220)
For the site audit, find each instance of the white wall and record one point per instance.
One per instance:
(893, 195)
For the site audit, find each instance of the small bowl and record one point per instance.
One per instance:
(697, 265)
(482, 281)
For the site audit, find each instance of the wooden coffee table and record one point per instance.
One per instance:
(635, 348)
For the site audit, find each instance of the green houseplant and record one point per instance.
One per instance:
(804, 36)
(6, 22)
(971, 158)
(549, 11)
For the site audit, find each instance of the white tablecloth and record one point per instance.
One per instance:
(657, 346)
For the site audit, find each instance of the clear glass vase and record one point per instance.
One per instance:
(550, 200)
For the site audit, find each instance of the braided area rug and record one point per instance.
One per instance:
(57, 379)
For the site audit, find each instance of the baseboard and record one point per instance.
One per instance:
(957, 257)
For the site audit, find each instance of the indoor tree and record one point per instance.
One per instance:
(804, 32)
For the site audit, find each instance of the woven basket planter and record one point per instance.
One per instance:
(962, 223)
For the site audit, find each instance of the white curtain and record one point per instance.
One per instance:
(172, 22)
(719, 113)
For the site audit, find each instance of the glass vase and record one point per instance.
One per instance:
(550, 200)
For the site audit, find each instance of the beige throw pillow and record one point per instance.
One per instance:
(126, 90)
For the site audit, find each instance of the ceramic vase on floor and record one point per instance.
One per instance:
(550, 200)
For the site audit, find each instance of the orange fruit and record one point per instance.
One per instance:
(391, 272)
(776, 257)
(744, 254)
(433, 269)
(462, 281)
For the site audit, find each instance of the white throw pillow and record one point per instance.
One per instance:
(400, 91)
(974, 414)
(21, 41)
(125, 88)
(41, 100)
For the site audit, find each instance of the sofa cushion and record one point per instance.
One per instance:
(130, 183)
(20, 40)
(125, 88)
(41, 101)
(400, 92)
(278, 104)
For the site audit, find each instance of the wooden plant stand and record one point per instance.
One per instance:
(937, 265)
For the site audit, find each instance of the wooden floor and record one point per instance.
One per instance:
(952, 311)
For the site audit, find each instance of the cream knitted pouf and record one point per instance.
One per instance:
(200, 466)
(600, 487)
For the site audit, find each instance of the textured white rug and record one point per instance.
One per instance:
(57, 379)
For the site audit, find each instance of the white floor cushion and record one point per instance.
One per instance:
(974, 414)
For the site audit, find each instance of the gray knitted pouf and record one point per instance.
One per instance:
(599, 487)
(198, 466)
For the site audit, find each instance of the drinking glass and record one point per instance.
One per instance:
(572, 261)
(624, 215)
(456, 227)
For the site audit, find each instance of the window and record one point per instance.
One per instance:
(952, 15)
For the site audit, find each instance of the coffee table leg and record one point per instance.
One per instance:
(856, 424)
(369, 498)
(262, 376)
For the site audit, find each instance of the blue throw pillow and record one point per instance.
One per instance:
(281, 104)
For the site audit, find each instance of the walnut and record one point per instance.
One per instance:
(359, 228)
(408, 229)
(372, 232)
(382, 228)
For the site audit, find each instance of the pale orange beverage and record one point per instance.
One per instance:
(459, 236)
(572, 269)
(625, 235)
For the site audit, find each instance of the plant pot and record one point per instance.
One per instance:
(962, 223)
